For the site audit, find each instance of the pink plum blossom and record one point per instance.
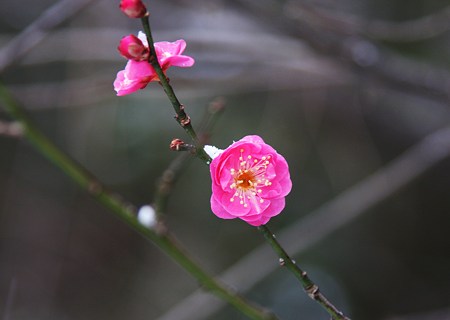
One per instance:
(250, 181)
(133, 8)
(137, 74)
(131, 47)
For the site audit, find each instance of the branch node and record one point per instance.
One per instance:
(161, 229)
(95, 188)
(312, 291)
(186, 121)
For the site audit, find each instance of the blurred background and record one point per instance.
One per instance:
(354, 94)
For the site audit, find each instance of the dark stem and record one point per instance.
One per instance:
(308, 285)
(181, 116)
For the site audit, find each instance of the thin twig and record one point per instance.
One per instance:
(308, 285)
(320, 223)
(126, 212)
(182, 118)
(171, 174)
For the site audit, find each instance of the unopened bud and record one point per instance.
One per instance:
(177, 145)
(180, 145)
(131, 47)
(133, 8)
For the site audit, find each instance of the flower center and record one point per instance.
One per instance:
(245, 180)
(249, 178)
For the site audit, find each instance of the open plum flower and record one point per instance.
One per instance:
(250, 181)
(138, 74)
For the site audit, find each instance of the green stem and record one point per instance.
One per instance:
(125, 211)
(308, 285)
(182, 118)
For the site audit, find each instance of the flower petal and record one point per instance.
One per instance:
(218, 209)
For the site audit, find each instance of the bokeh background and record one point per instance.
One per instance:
(345, 90)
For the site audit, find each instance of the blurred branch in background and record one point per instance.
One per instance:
(249, 71)
(25, 41)
(167, 181)
(323, 221)
(172, 173)
(357, 52)
(347, 52)
(425, 27)
(319, 57)
(127, 213)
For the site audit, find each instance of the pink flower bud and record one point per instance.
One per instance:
(133, 8)
(176, 144)
(250, 181)
(131, 47)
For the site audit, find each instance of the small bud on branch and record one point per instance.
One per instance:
(180, 145)
(133, 8)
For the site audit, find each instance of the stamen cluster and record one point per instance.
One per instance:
(249, 178)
